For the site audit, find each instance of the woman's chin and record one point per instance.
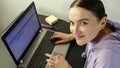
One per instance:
(80, 43)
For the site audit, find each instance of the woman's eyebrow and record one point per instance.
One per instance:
(79, 20)
(84, 19)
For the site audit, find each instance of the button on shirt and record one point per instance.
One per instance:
(105, 52)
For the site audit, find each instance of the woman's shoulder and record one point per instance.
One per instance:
(113, 24)
(110, 42)
(111, 39)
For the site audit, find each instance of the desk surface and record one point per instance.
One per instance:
(74, 53)
(62, 26)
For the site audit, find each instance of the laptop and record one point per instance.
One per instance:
(27, 42)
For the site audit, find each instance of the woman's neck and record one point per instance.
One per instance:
(107, 30)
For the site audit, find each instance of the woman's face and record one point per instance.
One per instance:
(84, 25)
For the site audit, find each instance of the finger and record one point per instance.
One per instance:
(48, 55)
(60, 42)
(59, 56)
(56, 33)
(50, 62)
(55, 36)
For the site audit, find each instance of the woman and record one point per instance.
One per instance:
(89, 24)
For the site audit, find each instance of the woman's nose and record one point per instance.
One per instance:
(76, 29)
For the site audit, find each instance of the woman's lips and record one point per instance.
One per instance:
(80, 36)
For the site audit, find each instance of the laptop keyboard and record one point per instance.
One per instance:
(39, 58)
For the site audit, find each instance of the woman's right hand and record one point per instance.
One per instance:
(57, 61)
(61, 37)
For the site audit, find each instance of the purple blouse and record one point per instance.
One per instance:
(105, 52)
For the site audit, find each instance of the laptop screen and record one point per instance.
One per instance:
(19, 36)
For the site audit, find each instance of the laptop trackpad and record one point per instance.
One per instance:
(56, 53)
(61, 49)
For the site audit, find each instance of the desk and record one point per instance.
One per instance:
(74, 53)
(62, 26)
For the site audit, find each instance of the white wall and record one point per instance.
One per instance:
(10, 9)
(57, 7)
(112, 9)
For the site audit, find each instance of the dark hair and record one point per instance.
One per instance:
(95, 6)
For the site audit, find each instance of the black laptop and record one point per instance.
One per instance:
(27, 42)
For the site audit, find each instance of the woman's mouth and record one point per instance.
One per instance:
(79, 36)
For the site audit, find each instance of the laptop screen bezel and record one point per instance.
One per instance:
(12, 27)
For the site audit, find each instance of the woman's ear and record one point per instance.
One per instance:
(103, 22)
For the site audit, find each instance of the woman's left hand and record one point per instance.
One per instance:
(57, 61)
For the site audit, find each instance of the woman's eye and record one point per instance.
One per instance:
(84, 23)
